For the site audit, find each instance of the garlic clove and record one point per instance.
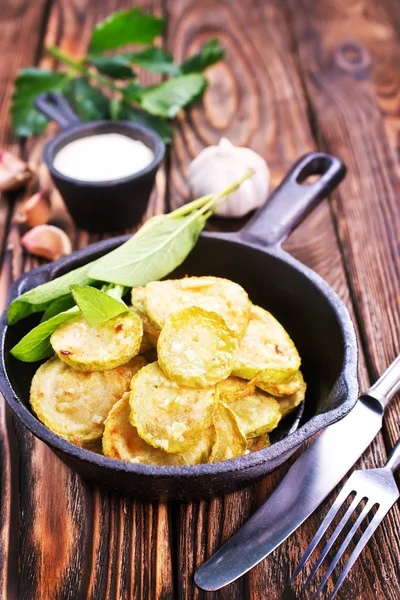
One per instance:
(14, 172)
(217, 166)
(47, 241)
(35, 210)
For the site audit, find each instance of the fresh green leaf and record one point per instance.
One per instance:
(87, 101)
(152, 256)
(29, 84)
(126, 112)
(133, 91)
(167, 98)
(96, 306)
(126, 27)
(161, 245)
(210, 53)
(116, 67)
(59, 305)
(35, 345)
(156, 249)
(38, 299)
(154, 59)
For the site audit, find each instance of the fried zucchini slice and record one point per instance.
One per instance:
(288, 403)
(138, 299)
(286, 388)
(226, 298)
(122, 441)
(196, 348)
(75, 404)
(258, 443)
(266, 351)
(166, 415)
(256, 414)
(231, 442)
(101, 347)
(235, 388)
(201, 450)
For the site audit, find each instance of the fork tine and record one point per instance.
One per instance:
(362, 542)
(345, 492)
(348, 538)
(356, 500)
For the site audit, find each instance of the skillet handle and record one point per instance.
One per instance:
(56, 108)
(292, 200)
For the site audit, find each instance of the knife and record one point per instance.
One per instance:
(307, 483)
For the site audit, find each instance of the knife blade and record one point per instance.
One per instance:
(307, 483)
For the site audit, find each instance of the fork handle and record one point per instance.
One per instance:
(394, 459)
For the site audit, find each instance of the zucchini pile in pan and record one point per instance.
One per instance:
(193, 373)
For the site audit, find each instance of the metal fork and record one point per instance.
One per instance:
(379, 489)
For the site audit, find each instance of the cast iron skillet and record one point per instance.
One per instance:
(313, 314)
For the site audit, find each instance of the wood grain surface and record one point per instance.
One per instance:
(297, 76)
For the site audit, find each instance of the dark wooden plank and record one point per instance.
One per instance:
(256, 98)
(19, 41)
(349, 55)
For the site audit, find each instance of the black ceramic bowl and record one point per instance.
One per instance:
(100, 206)
(310, 310)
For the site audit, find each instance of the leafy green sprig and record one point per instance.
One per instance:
(85, 80)
(160, 246)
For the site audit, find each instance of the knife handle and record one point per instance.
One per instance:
(388, 385)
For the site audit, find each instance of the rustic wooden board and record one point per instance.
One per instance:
(275, 93)
(348, 55)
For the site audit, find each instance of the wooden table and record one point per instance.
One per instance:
(299, 75)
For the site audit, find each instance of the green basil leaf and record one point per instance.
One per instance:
(35, 345)
(29, 83)
(38, 299)
(167, 98)
(88, 102)
(210, 53)
(150, 256)
(126, 27)
(116, 67)
(126, 112)
(59, 305)
(154, 59)
(133, 91)
(96, 307)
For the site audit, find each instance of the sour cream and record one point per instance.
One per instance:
(102, 157)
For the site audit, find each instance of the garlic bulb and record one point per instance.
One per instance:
(217, 166)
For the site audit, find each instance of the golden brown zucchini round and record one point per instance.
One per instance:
(266, 351)
(231, 442)
(196, 348)
(256, 414)
(101, 347)
(74, 404)
(166, 415)
(226, 298)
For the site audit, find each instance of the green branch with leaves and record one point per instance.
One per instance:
(103, 84)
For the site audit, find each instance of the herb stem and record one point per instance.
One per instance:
(80, 68)
(210, 207)
(189, 207)
(61, 56)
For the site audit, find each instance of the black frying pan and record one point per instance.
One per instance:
(308, 308)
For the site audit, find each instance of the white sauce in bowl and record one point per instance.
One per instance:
(102, 157)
